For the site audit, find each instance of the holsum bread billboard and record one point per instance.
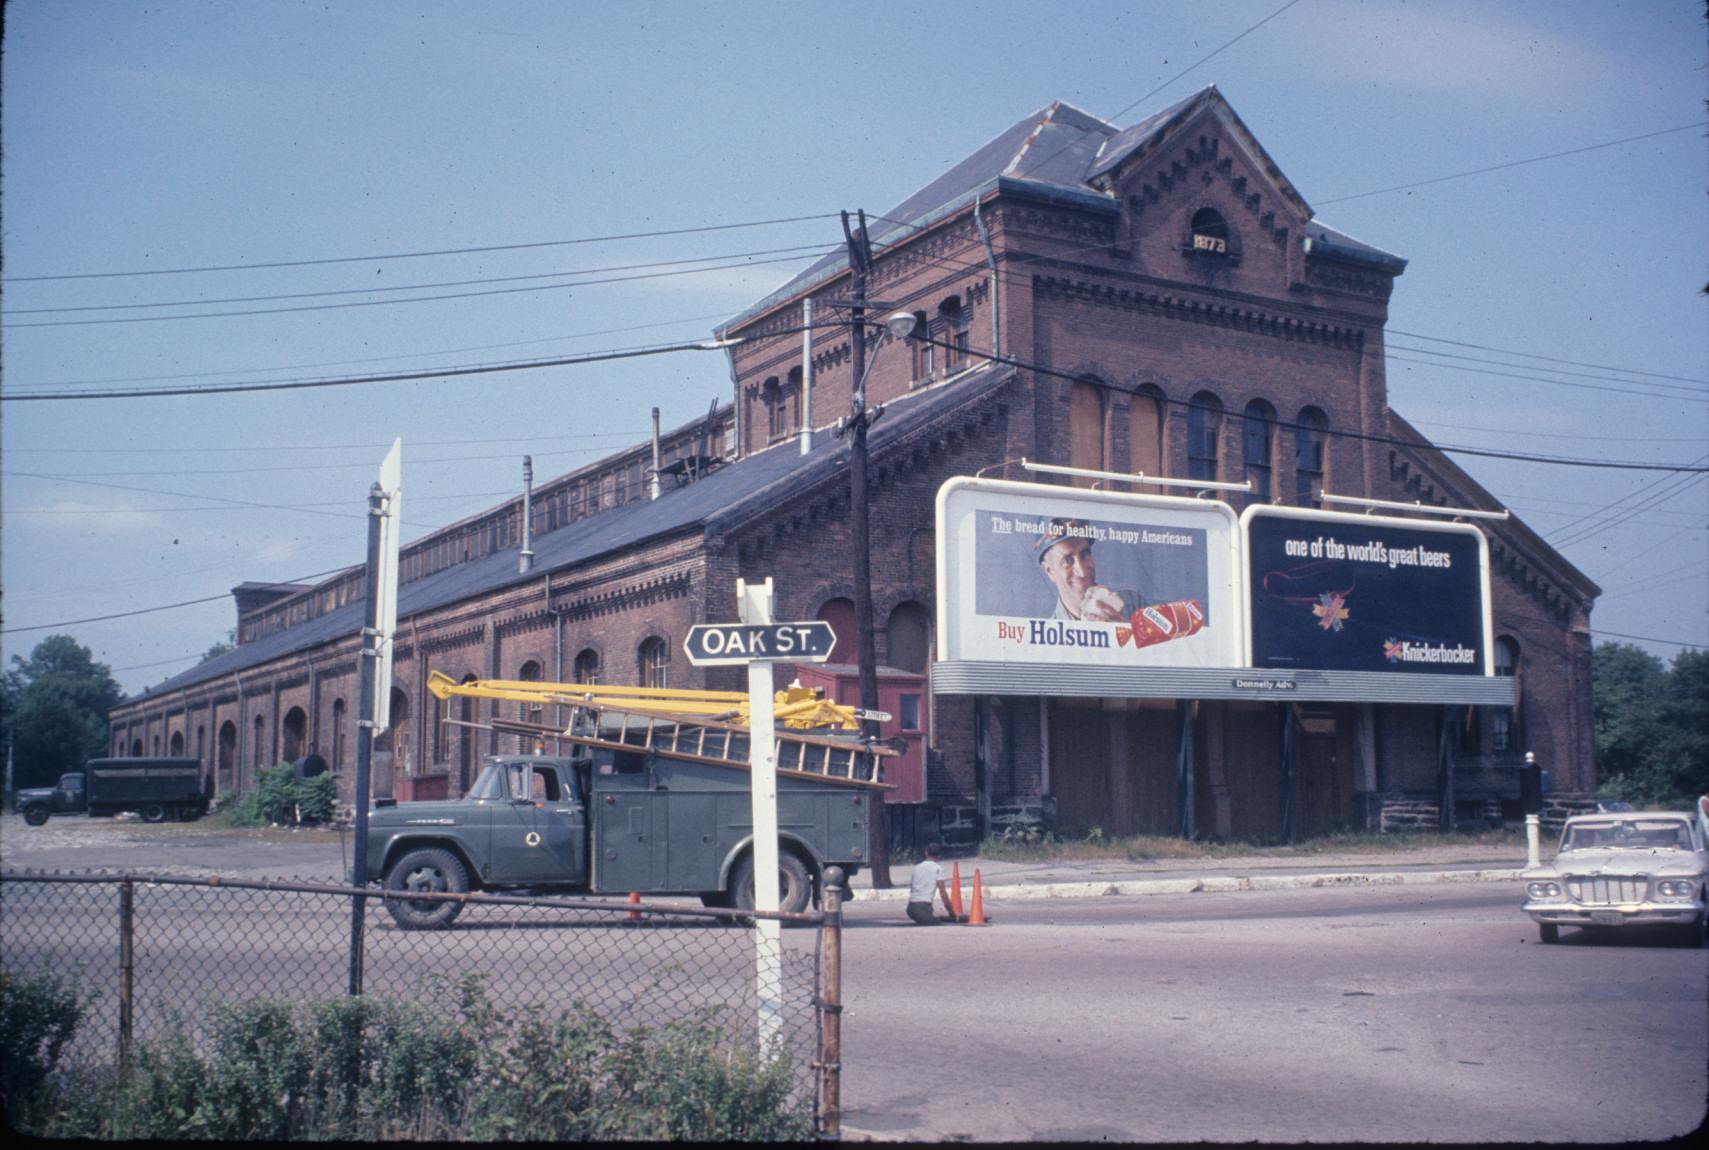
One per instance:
(1035, 573)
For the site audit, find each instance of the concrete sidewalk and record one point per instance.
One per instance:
(1089, 878)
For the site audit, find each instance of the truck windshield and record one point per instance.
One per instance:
(491, 783)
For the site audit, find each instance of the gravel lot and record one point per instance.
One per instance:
(78, 843)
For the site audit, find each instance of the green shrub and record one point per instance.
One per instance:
(445, 1066)
(280, 798)
(39, 1015)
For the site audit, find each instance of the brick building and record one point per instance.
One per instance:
(1158, 300)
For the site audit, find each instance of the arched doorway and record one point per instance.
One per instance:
(295, 734)
(226, 764)
(175, 747)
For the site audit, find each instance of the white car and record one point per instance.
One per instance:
(1623, 868)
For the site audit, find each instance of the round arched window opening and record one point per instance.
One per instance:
(1210, 232)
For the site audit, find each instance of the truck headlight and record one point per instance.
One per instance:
(1676, 888)
(1542, 891)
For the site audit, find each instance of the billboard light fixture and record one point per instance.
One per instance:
(1424, 508)
(1135, 477)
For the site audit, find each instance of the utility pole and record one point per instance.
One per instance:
(860, 527)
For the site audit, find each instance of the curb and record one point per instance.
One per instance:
(1216, 884)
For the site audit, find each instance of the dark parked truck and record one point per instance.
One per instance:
(156, 789)
(652, 803)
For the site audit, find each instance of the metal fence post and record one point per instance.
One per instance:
(831, 1008)
(127, 925)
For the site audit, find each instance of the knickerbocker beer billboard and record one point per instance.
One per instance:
(1336, 592)
(1036, 573)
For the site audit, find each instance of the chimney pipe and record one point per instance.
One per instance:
(655, 453)
(526, 559)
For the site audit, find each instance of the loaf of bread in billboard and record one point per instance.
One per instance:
(1162, 622)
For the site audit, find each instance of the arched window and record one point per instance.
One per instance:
(777, 421)
(953, 321)
(1505, 734)
(530, 712)
(1204, 425)
(792, 399)
(925, 361)
(1145, 425)
(1086, 426)
(654, 659)
(840, 614)
(1308, 457)
(908, 638)
(258, 747)
(294, 731)
(338, 724)
(586, 666)
(175, 746)
(1257, 432)
(1210, 232)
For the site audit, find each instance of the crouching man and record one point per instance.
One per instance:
(928, 876)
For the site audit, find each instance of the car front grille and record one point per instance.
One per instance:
(1609, 891)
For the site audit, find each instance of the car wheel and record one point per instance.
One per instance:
(794, 884)
(1548, 932)
(154, 813)
(428, 870)
(36, 815)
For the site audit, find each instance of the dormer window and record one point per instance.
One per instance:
(1210, 232)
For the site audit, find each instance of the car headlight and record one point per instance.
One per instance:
(1539, 891)
(1676, 888)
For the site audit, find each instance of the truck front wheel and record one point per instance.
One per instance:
(35, 815)
(155, 813)
(427, 870)
(794, 884)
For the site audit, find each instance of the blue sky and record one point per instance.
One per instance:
(178, 134)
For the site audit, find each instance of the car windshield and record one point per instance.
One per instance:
(1631, 833)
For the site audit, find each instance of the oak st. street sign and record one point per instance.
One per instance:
(721, 644)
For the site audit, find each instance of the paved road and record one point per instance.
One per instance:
(1372, 1014)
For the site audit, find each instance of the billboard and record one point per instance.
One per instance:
(1039, 574)
(1336, 592)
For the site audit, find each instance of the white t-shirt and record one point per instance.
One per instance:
(923, 883)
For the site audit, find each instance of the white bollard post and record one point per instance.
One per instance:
(1532, 823)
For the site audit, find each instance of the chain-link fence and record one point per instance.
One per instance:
(154, 952)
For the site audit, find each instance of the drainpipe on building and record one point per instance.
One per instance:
(525, 560)
(736, 401)
(655, 487)
(990, 262)
(806, 376)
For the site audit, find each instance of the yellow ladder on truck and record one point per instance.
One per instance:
(699, 726)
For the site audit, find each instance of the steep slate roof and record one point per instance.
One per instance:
(1053, 154)
(723, 501)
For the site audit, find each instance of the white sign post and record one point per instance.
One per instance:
(759, 642)
(753, 605)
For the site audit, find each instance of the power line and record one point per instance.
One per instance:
(153, 610)
(1515, 163)
(422, 254)
(1535, 355)
(1650, 639)
(391, 377)
(794, 251)
(396, 302)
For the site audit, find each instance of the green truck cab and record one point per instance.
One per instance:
(610, 821)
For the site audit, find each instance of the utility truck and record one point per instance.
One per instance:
(647, 791)
(156, 789)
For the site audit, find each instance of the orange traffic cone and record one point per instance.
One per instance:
(634, 900)
(955, 890)
(976, 914)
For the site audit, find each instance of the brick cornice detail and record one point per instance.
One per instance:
(1184, 309)
(610, 599)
